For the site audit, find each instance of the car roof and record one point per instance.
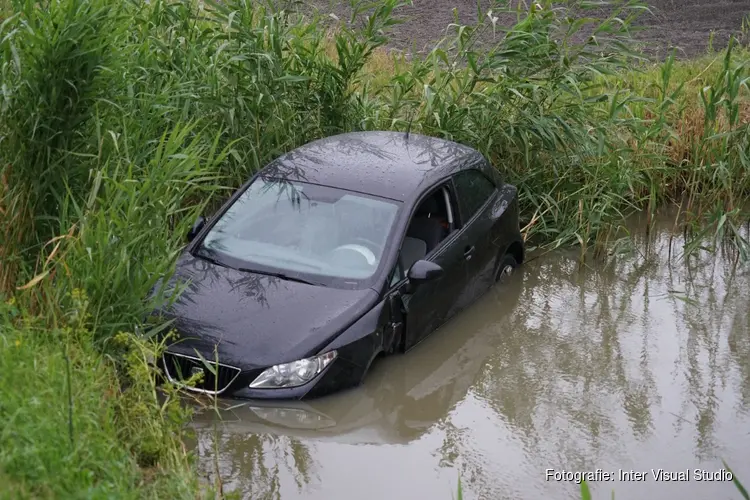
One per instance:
(392, 165)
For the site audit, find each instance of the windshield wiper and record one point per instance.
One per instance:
(205, 256)
(279, 275)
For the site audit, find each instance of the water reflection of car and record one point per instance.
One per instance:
(401, 399)
(344, 249)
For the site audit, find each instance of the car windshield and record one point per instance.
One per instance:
(295, 227)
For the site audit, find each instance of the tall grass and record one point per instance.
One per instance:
(90, 91)
(120, 122)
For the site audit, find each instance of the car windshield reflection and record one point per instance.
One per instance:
(296, 227)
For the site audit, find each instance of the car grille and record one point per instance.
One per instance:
(179, 367)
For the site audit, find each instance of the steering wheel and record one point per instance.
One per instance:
(362, 250)
(374, 247)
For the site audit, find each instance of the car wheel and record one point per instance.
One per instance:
(508, 265)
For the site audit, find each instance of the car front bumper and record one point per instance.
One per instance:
(228, 381)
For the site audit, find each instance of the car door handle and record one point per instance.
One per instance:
(468, 253)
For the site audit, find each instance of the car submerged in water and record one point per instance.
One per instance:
(401, 400)
(344, 249)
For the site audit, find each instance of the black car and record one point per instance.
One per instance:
(344, 249)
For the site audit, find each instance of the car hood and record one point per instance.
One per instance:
(253, 320)
(402, 398)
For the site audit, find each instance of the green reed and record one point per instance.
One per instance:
(90, 90)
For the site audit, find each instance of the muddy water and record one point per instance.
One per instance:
(639, 363)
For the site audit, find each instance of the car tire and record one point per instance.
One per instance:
(507, 267)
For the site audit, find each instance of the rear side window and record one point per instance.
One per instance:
(473, 190)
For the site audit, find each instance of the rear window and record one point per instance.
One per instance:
(473, 189)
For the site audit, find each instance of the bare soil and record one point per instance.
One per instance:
(688, 24)
(684, 24)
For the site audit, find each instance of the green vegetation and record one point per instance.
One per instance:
(120, 122)
(71, 429)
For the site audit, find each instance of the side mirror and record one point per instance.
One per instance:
(197, 226)
(423, 271)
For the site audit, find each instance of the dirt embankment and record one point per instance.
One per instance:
(684, 24)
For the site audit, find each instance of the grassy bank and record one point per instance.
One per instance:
(70, 429)
(120, 122)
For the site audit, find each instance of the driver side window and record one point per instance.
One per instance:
(431, 223)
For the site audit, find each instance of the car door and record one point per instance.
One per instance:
(433, 303)
(476, 195)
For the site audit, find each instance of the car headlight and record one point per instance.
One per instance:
(293, 374)
(293, 418)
